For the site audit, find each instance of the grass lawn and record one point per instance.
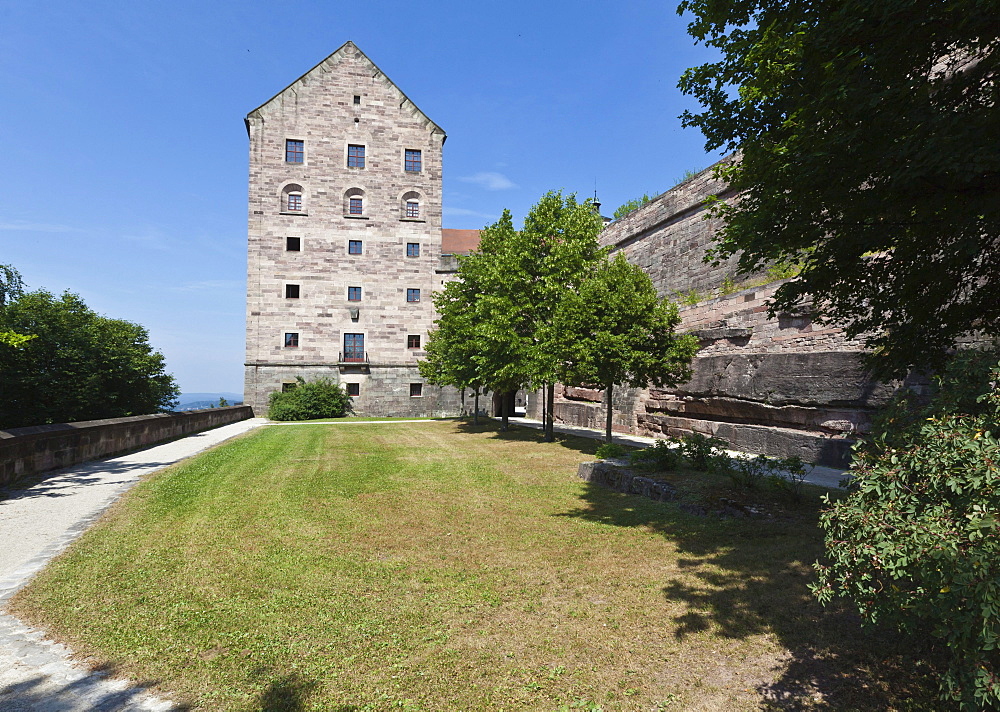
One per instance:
(441, 566)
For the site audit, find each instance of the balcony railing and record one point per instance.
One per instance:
(352, 357)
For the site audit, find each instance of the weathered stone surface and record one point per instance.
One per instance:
(621, 479)
(734, 410)
(723, 332)
(832, 378)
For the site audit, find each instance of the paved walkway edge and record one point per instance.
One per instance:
(38, 675)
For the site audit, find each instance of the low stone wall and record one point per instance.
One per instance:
(40, 448)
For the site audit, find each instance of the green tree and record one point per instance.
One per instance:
(627, 207)
(614, 329)
(82, 366)
(492, 318)
(11, 287)
(867, 155)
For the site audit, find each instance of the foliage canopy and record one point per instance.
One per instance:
(80, 366)
(867, 154)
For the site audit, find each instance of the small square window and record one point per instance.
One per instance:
(354, 247)
(293, 244)
(353, 389)
(355, 156)
(291, 341)
(357, 100)
(412, 209)
(412, 162)
(355, 207)
(354, 294)
(294, 151)
(291, 291)
(295, 201)
(413, 249)
(413, 295)
(416, 390)
(413, 341)
(288, 386)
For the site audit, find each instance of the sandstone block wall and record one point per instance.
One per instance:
(344, 101)
(779, 386)
(40, 448)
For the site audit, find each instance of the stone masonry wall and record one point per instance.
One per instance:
(320, 110)
(779, 386)
(40, 448)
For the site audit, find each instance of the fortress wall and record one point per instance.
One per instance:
(40, 448)
(779, 386)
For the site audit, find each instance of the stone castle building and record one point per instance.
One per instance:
(345, 244)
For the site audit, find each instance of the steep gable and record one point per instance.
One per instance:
(346, 52)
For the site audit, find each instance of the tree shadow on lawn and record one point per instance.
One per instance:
(584, 446)
(751, 578)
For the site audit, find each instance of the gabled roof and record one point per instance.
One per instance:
(334, 59)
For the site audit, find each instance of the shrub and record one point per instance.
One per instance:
(611, 451)
(321, 398)
(663, 455)
(700, 452)
(916, 543)
(748, 472)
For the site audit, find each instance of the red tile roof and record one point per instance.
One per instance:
(459, 242)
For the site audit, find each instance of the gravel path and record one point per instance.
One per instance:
(38, 522)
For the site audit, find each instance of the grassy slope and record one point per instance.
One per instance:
(439, 566)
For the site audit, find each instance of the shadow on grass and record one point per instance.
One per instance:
(749, 577)
(518, 433)
(290, 693)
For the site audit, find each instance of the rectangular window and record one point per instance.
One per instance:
(412, 209)
(354, 294)
(357, 100)
(413, 295)
(354, 247)
(295, 201)
(416, 390)
(291, 291)
(293, 244)
(412, 163)
(354, 347)
(294, 151)
(413, 249)
(355, 156)
(355, 208)
(353, 389)
(288, 386)
(413, 341)
(291, 341)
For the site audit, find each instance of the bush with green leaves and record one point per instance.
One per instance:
(916, 543)
(704, 453)
(662, 456)
(611, 451)
(321, 398)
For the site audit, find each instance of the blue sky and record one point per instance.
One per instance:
(124, 174)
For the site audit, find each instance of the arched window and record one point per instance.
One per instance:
(354, 202)
(291, 199)
(411, 205)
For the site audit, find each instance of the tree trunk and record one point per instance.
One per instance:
(545, 417)
(475, 414)
(504, 418)
(607, 433)
(550, 398)
(463, 402)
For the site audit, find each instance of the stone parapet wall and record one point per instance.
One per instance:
(40, 448)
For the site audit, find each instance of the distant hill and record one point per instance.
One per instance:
(194, 401)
